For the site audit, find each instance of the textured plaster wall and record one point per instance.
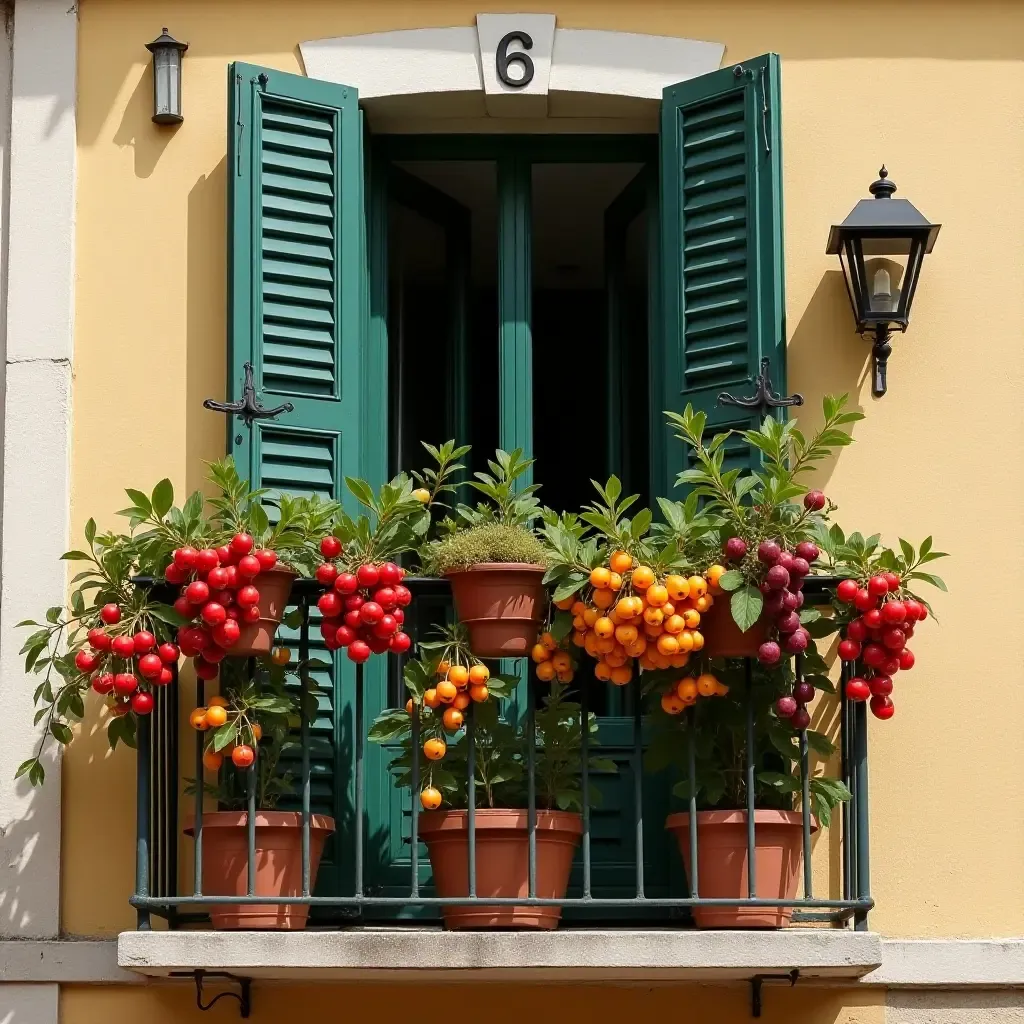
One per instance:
(934, 89)
(503, 1005)
(992, 1007)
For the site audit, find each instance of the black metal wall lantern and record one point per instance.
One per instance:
(881, 246)
(167, 53)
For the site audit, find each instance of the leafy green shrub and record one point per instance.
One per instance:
(488, 542)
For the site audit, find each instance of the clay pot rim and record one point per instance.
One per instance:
(533, 567)
(762, 816)
(280, 570)
(264, 819)
(499, 819)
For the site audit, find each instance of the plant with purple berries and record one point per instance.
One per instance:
(764, 519)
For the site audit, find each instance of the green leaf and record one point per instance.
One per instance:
(820, 743)
(731, 580)
(90, 531)
(224, 735)
(76, 556)
(163, 498)
(927, 577)
(746, 605)
(139, 500)
(779, 781)
(61, 733)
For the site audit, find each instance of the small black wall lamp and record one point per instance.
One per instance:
(881, 246)
(167, 53)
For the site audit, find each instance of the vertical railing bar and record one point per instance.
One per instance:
(638, 793)
(471, 793)
(358, 714)
(304, 725)
(531, 792)
(172, 812)
(414, 849)
(200, 793)
(805, 790)
(751, 838)
(844, 771)
(850, 843)
(585, 782)
(158, 781)
(691, 756)
(143, 808)
(250, 821)
(860, 918)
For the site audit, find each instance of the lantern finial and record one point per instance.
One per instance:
(883, 188)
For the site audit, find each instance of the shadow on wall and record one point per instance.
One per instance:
(137, 129)
(825, 357)
(20, 839)
(205, 324)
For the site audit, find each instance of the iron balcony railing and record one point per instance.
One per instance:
(158, 888)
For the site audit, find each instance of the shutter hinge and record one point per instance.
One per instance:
(764, 109)
(744, 72)
(239, 126)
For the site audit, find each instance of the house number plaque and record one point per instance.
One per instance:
(502, 59)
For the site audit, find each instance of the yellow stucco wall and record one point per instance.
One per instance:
(934, 89)
(545, 1004)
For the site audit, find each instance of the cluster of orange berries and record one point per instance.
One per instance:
(215, 714)
(458, 686)
(552, 663)
(631, 617)
(688, 690)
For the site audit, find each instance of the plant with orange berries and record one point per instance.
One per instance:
(250, 724)
(499, 747)
(625, 589)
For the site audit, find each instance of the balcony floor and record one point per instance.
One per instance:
(407, 954)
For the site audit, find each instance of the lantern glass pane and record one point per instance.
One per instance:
(166, 81)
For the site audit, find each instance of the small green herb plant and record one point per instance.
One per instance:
(499, 529)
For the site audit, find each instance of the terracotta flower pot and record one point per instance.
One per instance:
(278, 866)
(502, 604)
(724, 639)
(722, 863)
(502, 863)
(275, 586)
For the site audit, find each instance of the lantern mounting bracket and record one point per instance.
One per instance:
(764, 398)
(880, 352)
(248, 408)
(759, 979)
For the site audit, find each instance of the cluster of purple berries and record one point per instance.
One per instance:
(783, 597)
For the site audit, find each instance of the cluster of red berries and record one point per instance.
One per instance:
(363, 610)
(218, 595)
(878, 637)
(138, 655)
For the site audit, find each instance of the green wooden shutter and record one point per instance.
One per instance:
(722, 259)
(297, 301)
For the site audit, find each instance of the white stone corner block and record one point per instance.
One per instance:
(528, 100)
(402, 63)
(628, 63)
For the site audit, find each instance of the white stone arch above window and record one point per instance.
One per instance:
(444, 79)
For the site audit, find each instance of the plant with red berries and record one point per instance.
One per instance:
(764, 520)
(111, 638)
(365, 602)
(877, 611)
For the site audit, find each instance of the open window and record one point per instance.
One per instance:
(552, 292)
